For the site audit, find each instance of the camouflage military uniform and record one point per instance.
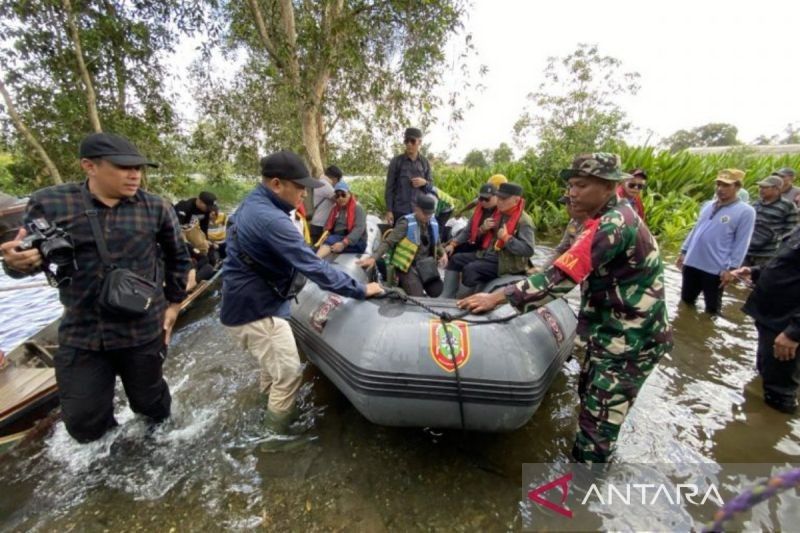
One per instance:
(623, 317)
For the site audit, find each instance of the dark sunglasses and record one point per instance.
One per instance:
(410, 141)
(341, 195)
(640, 186)
(484, 198)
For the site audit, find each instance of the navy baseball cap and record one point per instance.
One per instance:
(287, 165)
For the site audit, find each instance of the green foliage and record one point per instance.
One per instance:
(678, 185)
(123, 46)
(574, 110)
(502, 154)
(370, 193)
(713, 134)
(349, 66)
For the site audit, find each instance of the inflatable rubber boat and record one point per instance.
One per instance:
(393, 359)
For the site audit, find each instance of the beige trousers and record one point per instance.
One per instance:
(271, 342)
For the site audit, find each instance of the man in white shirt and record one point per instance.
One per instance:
(324, 200)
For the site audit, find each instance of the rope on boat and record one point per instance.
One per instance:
(444, 315)
(752, 497)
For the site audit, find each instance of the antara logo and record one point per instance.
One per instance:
(627, 494)
(563, 484)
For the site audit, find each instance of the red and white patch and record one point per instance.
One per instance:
(577, 261)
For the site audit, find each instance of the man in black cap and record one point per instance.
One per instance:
(415, 250)
(94, 345)
(265, 255)
(409, 175)
(504, 248)
(198, 209)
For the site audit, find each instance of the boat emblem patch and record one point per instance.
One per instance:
(319, 317)
(440, 348)
(552, 323)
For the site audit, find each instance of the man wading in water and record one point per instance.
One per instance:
(623, 316)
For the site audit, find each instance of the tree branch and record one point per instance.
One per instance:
(91, 98)
(26, 133)
(266, 40)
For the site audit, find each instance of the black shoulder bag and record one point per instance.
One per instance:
(124, 293)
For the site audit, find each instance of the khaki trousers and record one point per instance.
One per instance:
(271, 342)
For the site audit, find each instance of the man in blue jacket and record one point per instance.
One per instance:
(718, 242)
(265, 254)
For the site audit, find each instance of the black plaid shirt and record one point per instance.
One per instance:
(132, 229)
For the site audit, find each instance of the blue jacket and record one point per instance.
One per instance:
(266, 234)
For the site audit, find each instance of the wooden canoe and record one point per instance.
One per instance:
(28, 389)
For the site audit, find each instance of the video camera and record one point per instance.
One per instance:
(56, 248)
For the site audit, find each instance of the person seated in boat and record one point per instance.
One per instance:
(346, 228)
(415, 250)
(198, 209)
(195, 215)
(445, 206)
(480, 223)
(202, 269)
(505, 248)
(496, 180)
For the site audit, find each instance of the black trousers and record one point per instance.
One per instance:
(315, 232)
(780, 378)
(696, 281)
(412, 284)
(474, 270)
(86, 382)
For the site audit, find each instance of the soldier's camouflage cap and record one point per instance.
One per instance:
(603, 165)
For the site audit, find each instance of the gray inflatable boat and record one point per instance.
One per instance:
(392, 358)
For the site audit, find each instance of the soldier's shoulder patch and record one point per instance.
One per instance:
(577, 261)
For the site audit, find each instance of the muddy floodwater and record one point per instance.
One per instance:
(212, 466)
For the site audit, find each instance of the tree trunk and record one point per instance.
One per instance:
(25, 132)
(312, 138)
(91, 98)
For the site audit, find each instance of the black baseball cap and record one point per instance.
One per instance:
(509, 189)
(113, 148)
(208, 198)
(427, 203)
(413, 133)
(487, 190)
(287, 165)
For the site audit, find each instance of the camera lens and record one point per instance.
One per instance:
(57, 251)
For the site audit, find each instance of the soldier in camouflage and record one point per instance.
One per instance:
(623, 316)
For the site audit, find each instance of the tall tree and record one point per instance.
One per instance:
(74, 65)
(502, 154)
(29, 137)
(86, 78)
(575, 108)
(331, 63)
(476, 159)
